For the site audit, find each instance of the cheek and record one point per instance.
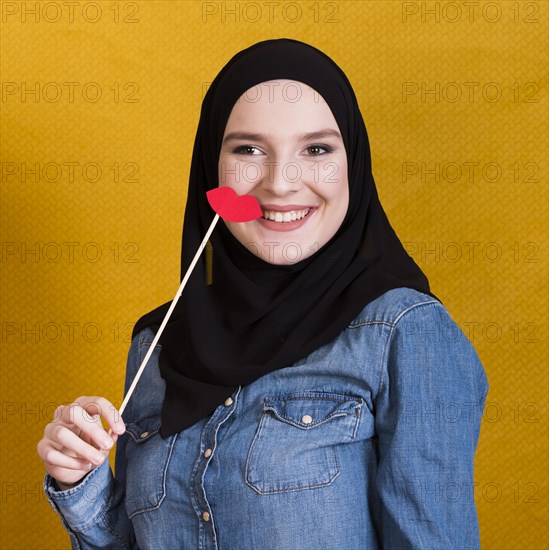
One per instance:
(341, 175)
(335, 192)
(239, 175)
(225, 172)
(333, 186)
(341, 187)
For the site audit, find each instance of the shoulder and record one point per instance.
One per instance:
(147, 398)
(412, 319)
(143, 337)
(139, 347)
(395, 305)
(422, 338)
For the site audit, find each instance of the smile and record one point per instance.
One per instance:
(285, 217)
(286, 221)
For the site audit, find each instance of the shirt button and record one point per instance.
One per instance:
(144, 435)
(229, 401)
(208, 453)
(206, 516)
(306, 419)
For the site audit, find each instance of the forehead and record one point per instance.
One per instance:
(280, 90)
(290, 100)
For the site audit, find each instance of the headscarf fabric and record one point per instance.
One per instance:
(256, 317)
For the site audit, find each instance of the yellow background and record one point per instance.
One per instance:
(481, 238)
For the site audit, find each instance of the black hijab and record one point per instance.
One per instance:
(257, 317)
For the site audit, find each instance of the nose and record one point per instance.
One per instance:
(282, 177)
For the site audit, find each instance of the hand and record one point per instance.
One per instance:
(75, 441)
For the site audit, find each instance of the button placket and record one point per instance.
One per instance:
(209, 451)
(208, 445)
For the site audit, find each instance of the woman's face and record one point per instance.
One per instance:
(282, 145)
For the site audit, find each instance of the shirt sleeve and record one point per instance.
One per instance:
(428, 411)
(94, 512)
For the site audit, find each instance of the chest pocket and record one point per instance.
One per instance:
(147, 460)
(294, 446)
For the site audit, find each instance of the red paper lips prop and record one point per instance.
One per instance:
(232, 207)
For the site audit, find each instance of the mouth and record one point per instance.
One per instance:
(288, 216)
(286, 220)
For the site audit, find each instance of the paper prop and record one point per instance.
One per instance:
(232, 207)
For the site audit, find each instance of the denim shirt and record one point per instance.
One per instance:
(366, 443)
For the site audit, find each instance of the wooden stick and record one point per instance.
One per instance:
(166, 318)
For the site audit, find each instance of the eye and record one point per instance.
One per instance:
(317, 146)
(244, 149)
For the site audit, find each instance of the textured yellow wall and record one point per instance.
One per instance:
(102, 99)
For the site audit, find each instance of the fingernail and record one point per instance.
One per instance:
(98, 458)
(107, 443)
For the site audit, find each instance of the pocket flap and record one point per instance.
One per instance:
(144, 429)
(309, 409)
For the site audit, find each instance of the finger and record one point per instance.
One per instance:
(89, 427)
(56, 459)
(113, 436)
(70, 441)
(52, 430)
(88, 409)
(105, 409)
(50, 455)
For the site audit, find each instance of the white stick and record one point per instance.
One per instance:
(168, 314)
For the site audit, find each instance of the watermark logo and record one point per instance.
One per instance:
(470, 92)
(70, 172)
(270, 12)
(70, 92)
(469, 12)
(70, 12)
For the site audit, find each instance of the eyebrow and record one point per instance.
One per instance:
(327, 132)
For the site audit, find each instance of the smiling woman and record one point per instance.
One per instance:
(300, 400)
(300, 181)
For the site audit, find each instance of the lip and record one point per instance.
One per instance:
(287, 226)
(286, 207)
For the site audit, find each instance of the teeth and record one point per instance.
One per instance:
(285, 217)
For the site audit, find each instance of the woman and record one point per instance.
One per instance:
(316, 394)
